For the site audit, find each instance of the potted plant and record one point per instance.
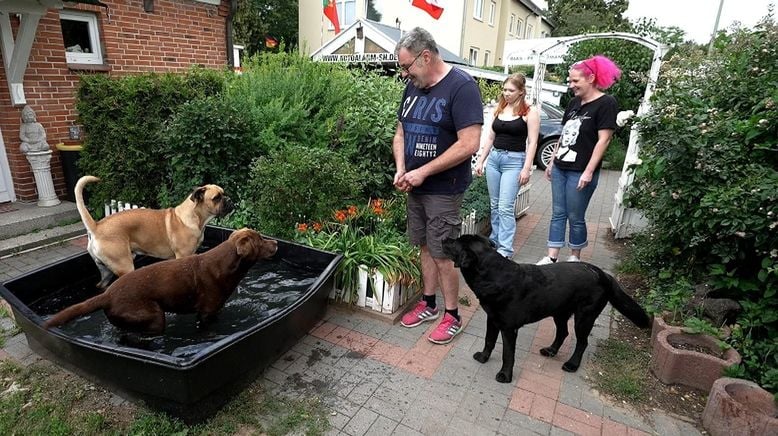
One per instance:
(378, 262)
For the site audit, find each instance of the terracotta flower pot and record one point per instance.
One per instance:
(689, 368)
(739, 407)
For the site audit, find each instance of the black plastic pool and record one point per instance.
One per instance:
(188, 372)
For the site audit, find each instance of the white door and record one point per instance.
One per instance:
(6, 185)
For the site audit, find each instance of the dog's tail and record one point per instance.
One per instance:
(624, 303)
(97, 302)
(86, 218)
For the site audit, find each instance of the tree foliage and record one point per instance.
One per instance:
(257, 19)
(573, 17)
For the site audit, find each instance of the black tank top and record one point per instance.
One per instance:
(510, 135)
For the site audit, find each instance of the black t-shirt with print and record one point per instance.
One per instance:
(580, 132)
(431, 119)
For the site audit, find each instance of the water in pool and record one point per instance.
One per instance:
(270, 286)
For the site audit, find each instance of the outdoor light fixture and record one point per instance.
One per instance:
(360, 32)
(148, 5)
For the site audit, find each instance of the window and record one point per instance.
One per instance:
(486, 58)
(478, 10)
(510, 23)
(519, 25)
(347, 13)
(529, 31)
(473, 57)
(81, 37)
(492, 10)
(371, 11)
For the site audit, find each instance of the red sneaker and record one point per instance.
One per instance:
(419, 314)
(446, 330)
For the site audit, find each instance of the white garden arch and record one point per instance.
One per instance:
(624, 221)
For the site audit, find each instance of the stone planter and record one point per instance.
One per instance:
(739, 407)
(659, 325)
(690, 368)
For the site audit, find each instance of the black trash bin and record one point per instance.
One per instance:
(69, 155)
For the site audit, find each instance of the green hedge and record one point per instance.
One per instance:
(123, 119)
(708, 184)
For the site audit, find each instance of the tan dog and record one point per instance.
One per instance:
(200, 284)
(164, 234)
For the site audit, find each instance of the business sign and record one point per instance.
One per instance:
(525, 51)
(359, 57)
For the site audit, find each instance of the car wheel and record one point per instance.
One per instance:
(544, 153)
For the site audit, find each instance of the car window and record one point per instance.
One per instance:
(551, 111)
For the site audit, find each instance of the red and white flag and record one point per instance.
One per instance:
(432, 7)
(331, 12)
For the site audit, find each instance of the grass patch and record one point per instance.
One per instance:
(43, 399)
(620, 371)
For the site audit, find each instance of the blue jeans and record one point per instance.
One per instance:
(502, 178)
(569, 205)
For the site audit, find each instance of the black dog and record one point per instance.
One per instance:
(513, 295)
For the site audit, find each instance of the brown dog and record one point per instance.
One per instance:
(164, 234)
(200, 284)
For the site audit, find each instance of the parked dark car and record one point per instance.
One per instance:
(550, 131)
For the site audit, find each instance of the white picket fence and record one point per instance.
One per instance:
(374, 292)
(115, 206)
(522, 201)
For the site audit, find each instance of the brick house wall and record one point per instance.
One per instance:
(172, 38)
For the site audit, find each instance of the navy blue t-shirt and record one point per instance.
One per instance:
(431, 118)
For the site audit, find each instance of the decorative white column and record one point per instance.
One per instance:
(40, 161)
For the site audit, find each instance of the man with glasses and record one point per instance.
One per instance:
(439, 129)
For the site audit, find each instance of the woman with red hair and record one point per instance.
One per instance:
(508, 155)
(589, 122)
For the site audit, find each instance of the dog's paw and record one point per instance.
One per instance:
(570, 367)
(504, 376)
(548, 352)
(481, 357)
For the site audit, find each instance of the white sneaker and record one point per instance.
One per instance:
(545, 261)
(573, 258)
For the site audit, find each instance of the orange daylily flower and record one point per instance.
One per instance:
(340, 216)
(317, 227)
(302, 227)
(352, 210)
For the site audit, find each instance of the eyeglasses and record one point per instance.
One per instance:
(407, 68)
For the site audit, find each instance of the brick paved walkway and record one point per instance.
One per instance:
(386, 379)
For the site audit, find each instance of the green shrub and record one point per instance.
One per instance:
(292, 99)
(366, 130)
(615, 154)
(708, 183)
(477, 198)
(123, 119)
(490, 90)
(295, 185)
(209, 140)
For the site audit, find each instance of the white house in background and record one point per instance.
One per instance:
(475, 30)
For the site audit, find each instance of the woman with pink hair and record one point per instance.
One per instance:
(588, 125)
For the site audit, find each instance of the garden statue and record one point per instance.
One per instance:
(36, 149)
(31, 132)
